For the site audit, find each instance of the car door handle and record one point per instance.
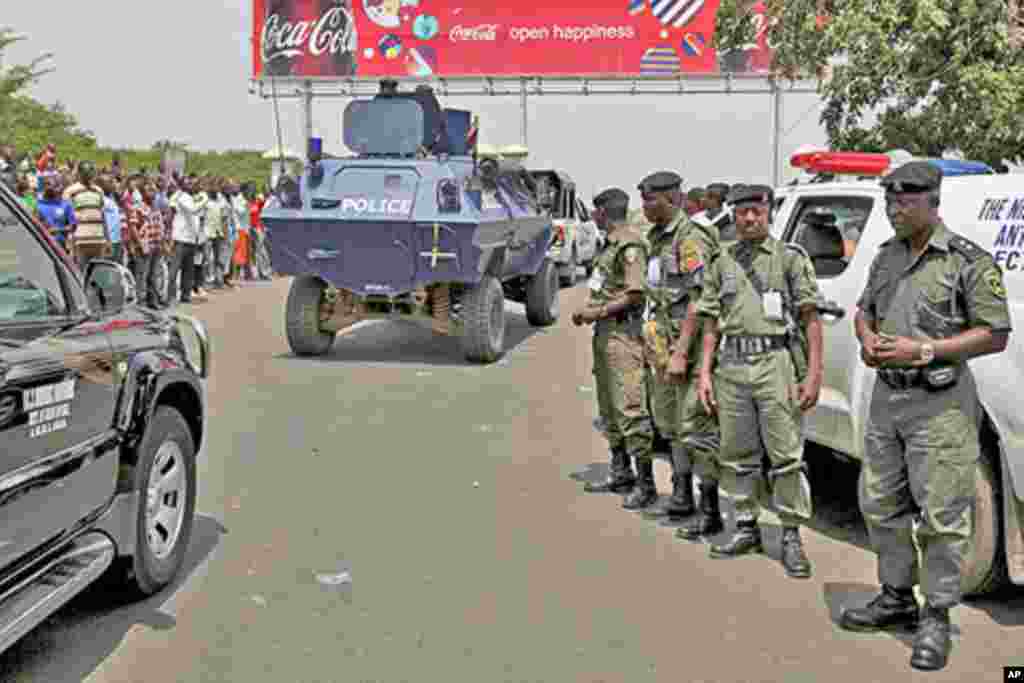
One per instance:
(832, 309)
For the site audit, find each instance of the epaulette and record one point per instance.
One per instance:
(971, 251)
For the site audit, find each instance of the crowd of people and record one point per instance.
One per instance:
(182, 235)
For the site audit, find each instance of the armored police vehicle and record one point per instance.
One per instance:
(414, 227)
(845, 214)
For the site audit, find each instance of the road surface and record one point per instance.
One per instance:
(390, 513)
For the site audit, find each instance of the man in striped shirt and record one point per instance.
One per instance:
(143, 235)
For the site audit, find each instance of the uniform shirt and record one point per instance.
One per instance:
(730, 297)
(620, 267)
(951, 287)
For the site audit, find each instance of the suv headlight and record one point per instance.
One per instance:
(196, 343)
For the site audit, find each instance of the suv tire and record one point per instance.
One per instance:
(165, 515)
(483, 335)
(542, 307)
(984, 568)
(302, 318)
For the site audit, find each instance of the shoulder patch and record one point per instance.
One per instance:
(994, 279)
(970, 250)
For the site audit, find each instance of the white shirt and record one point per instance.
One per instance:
(185, 227)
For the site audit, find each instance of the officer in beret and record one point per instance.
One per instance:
(715, 213)
(933, 301)
(614, 306)
(677, 253)
(760, 314)
(694, 201)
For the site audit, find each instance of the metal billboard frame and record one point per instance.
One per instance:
(307, 89)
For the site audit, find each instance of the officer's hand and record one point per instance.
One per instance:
(677, 366)
(897, 351)
(869, 349)
(706, 393)
(577, 318)
(810, 389)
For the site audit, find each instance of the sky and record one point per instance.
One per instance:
(139, 71)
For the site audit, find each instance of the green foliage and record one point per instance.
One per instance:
(734, 26)
(941, 75)
(29, 126)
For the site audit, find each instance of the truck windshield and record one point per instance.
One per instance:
(384, 127)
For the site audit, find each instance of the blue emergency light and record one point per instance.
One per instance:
(315, 149)
(953, 167)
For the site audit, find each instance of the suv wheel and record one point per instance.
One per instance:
(984, 568)
(483, 335)
(165, 479)
(542, 306)
(302, 318)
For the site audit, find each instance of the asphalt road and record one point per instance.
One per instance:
(390, 513)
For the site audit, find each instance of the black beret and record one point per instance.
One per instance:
(719, 188)
(612, 196)
(662, 181)
(746, 194)
(914, 176)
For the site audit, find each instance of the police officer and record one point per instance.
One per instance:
(760, 296)
(677, 249)
(715, 213)
(933, 301)
(694, 201)
(614, 305)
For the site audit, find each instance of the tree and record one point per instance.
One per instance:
(16, 78)
(940, 75)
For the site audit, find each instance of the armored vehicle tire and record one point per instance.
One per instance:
(165, 480)
(302, 318)
(483, 335)
(542, 296)
(984, 568)
(568, 274)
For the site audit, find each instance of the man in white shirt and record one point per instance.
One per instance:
(216, 220)
(202, 202)
(185, 235)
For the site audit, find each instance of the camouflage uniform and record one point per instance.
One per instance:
(618, 357)
(921, 442)
(676, 261)
(756, 378)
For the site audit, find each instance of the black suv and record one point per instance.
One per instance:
(102, 413)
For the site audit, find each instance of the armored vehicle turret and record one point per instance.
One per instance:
(414, 226)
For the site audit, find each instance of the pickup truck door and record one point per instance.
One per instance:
(837, 420)
(57, 399)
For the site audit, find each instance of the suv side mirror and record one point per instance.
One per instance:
(109, 286)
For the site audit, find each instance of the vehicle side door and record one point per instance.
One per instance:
(57, 394)
(835, 420)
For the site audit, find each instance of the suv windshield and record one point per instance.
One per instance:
(387, 126)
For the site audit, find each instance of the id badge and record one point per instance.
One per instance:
(654, 272)
(596, 281)
(772, 304)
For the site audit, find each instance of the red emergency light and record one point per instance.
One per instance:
(842, 163)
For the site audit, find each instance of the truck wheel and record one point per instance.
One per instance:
(483, 335)
(302, 318)
(165, 480)
(542, 296)
(985, 565)
(568, 274)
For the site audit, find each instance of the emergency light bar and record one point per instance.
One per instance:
(952, 167)
(868, 164)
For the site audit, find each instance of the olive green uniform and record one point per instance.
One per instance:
(921, 444)
(755, 380)
(618, 346)
(678, 256)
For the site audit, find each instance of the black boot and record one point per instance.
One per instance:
(677, 506)
(709, 522)
(892, 608)
(932, 642)
(644, 494)
(746, 541)
(620, 478)
(794, 560)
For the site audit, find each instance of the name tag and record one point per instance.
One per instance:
(772, 304)
(654, 271)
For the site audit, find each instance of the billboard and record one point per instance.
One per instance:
(373, 39)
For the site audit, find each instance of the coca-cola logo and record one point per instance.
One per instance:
(481, 32)
(332, 33)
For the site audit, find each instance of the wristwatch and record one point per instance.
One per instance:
(927, 352)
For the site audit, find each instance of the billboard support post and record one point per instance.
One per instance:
(525, 110)
(776, 130)
(307, 111)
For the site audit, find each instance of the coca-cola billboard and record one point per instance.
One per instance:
(373, 39)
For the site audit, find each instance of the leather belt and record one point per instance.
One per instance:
(634, 318)
(751, 344)
(901, 378)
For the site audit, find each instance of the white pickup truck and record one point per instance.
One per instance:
(989, 211)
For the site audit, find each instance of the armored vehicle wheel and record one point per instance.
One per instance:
(542, 296)
(568, 275)
(483, 335)
(302, 318)
(985, 564)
